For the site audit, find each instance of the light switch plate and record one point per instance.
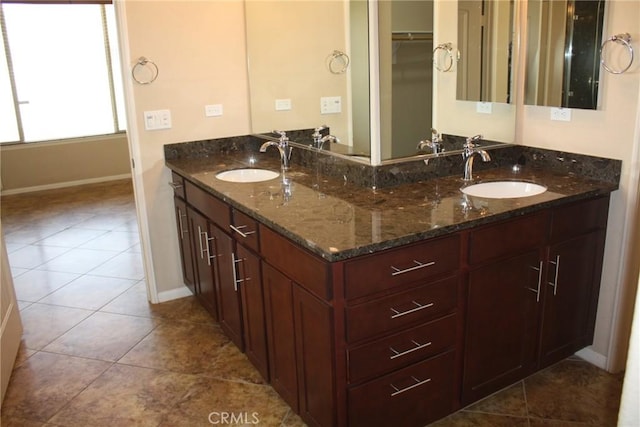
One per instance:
(330, 105)
(283, 104)
(484, 107)
(213, 110)
(561, 114)
(157, 119)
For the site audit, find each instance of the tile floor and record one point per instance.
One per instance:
(95, 352)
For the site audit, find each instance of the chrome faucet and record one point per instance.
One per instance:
(283, 147)
(468, 153)
(319, 140)
(435, 143)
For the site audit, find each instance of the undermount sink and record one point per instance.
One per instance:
(504, 189)
(247, 175)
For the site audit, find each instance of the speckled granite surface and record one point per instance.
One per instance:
(338, 219)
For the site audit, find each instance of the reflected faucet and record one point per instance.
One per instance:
(319, 140)
(283, 147)
(468, 154)
(435, 143)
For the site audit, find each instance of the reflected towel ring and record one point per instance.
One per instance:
(339, 58)
(449, 59)
(624, 39)
(141, 66)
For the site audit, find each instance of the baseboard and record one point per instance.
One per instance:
(65, 184)
(593, 357)
(172, 294)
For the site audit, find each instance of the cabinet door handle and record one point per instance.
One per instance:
(396, 391)
(395, 313)
(417, 347)
(210, 257)
(175, 185)
(396, 271)
(239, 228)
(205, 248)
(181, 225)
(537, 290)
(237, 281)
(554, 284)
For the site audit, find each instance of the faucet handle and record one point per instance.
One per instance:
(435, 136)
(283, 135)
(316, 132)
(470, 141)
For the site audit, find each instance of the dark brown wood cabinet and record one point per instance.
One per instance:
(406, 335)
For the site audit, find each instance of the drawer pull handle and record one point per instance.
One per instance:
(396, 271)
(175, 185)
(417, 347)
(537, 291)
(237, 281)
(239, 228)
(205, 249)
(554, 284)
(395, 313)
(417, 383)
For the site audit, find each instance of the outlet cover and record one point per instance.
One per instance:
(484, 107)
(157, 119)
(283, 104)
(561, 114)
(330, 105)
(213, 110)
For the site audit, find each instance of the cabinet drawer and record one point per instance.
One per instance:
(397, 267)
(212, 207)
(244, 230)
(415, 395)
(579, 218)
(401, 349)
(177, 183)
(401, 309)
(508, 238)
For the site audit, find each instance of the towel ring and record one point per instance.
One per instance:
(142, 65)
(449, 59)
(624, 39)
(339, 58)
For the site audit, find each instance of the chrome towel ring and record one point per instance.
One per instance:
(444, 57)
(146, 66)
(625, 40)
(338, 62)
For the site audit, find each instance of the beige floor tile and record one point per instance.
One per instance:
(479, 419)
(45, 382)
(79, 261)
(34, 255)
(44, 323)
(210, 400)
(89, 292)
(113, 241)
(232, 364)
(575, 391)
(126, 396)
(127, 265)
(133, 301)
(103, 336)
(189, 348)
(71, 237)
(510, 401)
(34, 285)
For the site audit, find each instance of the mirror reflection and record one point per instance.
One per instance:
(485, 42)
(563, 53)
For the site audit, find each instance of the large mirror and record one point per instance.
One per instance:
(563, 53)
(297, 79)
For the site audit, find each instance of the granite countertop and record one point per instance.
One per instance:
(337, 219)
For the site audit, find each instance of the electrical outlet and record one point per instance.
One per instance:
(283, 104)
(213, 110)
(330, 105)
(484, 107)
(561, 114)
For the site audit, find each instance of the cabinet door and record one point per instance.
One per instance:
(502, 324)
(229, 311)
(250, 280)
(569, 308)
(186, 248)
(203, 262)
(278, 294)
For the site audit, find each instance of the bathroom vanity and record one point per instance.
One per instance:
(393, 306)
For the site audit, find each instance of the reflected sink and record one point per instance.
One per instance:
(247, 175)
(504, 189)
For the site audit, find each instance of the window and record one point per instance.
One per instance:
(59, 72)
